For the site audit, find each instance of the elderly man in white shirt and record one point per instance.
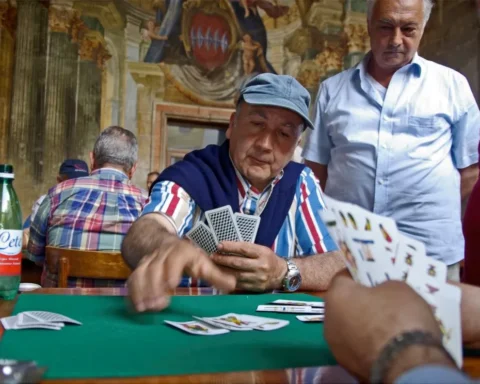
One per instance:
(398, 134)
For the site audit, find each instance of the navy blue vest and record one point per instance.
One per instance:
(208, 176)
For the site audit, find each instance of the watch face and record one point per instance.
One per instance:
(294, 283)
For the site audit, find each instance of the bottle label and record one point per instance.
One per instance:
(10, 252)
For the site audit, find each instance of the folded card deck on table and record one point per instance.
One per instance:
(37, 319)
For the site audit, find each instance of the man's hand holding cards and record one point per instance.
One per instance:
(375, 251)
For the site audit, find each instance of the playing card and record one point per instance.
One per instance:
(24, 319)
(366, 259)
(289, 309)
(428, 274)
(299, 303)
(11, 322)
(448, 315)
(330, 220)
(263, 323)
(409, 254)
(214, 323)
(311, 318)
(197, 328)
(201, 235)
(247, 226)
(233, 320)
(445, 302)
(386, 235)
(223, 224)
(49, 317)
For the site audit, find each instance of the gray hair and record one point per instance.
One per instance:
(427, 10)
(116, 145)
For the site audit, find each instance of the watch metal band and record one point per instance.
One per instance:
(396, 345)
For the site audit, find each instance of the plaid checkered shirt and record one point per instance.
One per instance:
(90, 213)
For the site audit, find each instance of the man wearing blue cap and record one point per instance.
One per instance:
(252, 172)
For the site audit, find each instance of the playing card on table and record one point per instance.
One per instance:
(247, 226)
(299, 303)
(197, 328)
(289, 309)
(37, 319)
(233, 320)
(311, 318)
(263, 323)
(215, 323)
(201, 235)
(223, 224)
(48, 317)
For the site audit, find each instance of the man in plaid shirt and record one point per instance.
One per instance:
(93, 212)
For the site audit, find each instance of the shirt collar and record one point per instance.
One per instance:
(108, 173)
(244, 185)
(417, 63)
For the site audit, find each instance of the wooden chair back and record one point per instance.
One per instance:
(87, 264)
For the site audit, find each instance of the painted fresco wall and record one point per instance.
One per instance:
(69, 68)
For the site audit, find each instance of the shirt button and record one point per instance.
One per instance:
(380, 181)
(384, 146)
(385, 117)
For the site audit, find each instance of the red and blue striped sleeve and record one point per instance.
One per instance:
(311, 232)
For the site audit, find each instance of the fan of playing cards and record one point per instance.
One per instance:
(375, 251)
(223, 225)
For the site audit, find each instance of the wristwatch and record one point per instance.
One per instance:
(293, 279)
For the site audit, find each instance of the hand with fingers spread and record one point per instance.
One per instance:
(255, 267)
(160, 272)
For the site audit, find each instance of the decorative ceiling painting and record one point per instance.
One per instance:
(209, 48)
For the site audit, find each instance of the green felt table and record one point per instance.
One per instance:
(115, 342)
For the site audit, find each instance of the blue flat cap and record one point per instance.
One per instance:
(278, 91)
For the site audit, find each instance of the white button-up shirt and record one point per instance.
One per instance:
(399, 155)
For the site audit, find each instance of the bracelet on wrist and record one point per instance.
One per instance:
(397, 345)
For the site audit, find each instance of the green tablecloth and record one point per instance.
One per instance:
(114, 342)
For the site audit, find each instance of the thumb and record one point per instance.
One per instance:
(207, 270)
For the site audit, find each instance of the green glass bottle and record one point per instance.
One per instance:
(10, 235)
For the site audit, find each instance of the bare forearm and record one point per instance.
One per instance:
(146, 235)
(320, 171)
(468, 178)
(317, 271)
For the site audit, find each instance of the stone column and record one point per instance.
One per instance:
(150, 82)
(60, 93)
(25, 131)
(7, 48)
(93, 55)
